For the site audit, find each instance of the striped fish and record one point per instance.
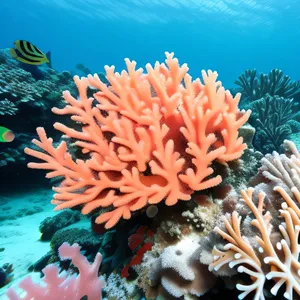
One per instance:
(27, 53)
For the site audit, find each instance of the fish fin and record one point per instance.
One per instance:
(17, 44)
(48, 55)
(13, 53)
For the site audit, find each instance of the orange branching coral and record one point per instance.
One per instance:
(265, 260)
(150, 137)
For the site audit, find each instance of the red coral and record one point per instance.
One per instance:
(137, 242)
(137, 239)
(150, 137)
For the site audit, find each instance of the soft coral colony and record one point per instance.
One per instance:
(149, 138)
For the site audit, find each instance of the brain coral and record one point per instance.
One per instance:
(148, 137)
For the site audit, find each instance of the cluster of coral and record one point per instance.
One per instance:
(226, 218)
(274, 99)
(148, 138)
(27, 94)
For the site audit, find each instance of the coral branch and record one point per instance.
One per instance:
(60, 285)
(280, 261)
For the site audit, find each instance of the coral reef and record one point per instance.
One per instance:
(65, 286)
(271, 257)
(203, 216)
(274, 119)
(7, 108)
(272, 252)
(23, 95)
(145, 140)
(140, 242)
(178, 271)
(274, 99)
(258, 238)
(282, 169)
(130, 137)
(52, 224)
(119, 289)
(22, 89)
(253, 86)
(86, 239)
(171, 227)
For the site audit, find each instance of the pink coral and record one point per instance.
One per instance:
(150, 137)
(61, 286)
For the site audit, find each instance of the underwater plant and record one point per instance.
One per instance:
(271, 99)
(274, 120)
(148, 138)
(253, 86)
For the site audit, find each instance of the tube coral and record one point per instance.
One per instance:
(149, 137)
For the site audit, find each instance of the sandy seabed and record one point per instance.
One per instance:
(20, 217)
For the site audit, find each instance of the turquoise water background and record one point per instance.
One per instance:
(228, 36)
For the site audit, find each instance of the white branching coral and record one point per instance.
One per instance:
(281, 169)
(266, 260)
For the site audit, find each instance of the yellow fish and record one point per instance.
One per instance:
(27, 53)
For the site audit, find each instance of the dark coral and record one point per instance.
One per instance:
(7, 108)
(254, 86)
(87, 240)
(6, 274)
(274, 120)
(52, 224)
(26, 100)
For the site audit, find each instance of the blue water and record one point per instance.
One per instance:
(228, 36)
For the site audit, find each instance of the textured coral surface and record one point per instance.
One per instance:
(148, 137)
